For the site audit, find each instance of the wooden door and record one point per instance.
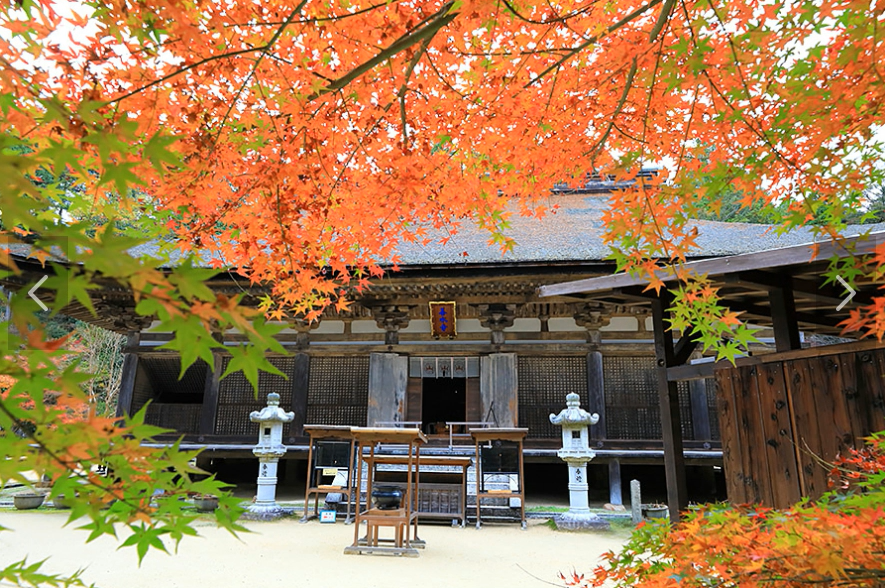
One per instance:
(414, 397)
(473, 400)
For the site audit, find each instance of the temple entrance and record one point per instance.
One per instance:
(443, 400)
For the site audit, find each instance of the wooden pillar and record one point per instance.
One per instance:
(208, 414)
(388, 379)
(700, 413)
(783, 316)
(300, 384)
(498, 389)
(127, 375)
(674, 458)
(614, 482)
(596, 393)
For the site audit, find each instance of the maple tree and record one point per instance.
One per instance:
(286, 119)
(838, 540)
(301, 142)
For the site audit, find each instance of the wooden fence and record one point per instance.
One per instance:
(784, 419)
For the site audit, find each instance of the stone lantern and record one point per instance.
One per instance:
(576, 453)
(269, 450)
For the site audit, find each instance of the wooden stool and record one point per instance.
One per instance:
(376, 518)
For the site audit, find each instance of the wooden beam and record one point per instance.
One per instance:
(783, 316)
(765, 312)
(300, 382)
(770, 259)
(668, 397)
(596, 393)
(828, 295)
(684, 347)
(210, 396)
(127, 377)
(691, 371)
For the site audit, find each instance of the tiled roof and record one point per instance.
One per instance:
(572, 233)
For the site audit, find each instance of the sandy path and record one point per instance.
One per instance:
(287, 553)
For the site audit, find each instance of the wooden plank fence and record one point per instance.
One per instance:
(784, 421)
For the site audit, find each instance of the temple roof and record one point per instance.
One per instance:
(571, 232)
(574, 232)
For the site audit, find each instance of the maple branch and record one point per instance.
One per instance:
(434, 23)
(182, 70)
(401, 94)
(666, 9)
(564, 18)
(264, 51)
(612, 28)
(334, 18)
(628, 84)
(654, 76)
(71, 469)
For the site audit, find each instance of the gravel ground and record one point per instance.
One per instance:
(286, 553)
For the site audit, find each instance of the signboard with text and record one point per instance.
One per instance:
(442, 319)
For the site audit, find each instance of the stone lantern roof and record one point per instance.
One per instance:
(272, 413)
(573, 415)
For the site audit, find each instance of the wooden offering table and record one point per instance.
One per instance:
(404, 519)
(429, 497)
(330, 464)
(499, 454)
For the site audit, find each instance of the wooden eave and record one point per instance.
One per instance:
(745, 282)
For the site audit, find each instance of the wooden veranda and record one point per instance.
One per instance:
(783, 415)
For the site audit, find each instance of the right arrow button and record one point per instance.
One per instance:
(851, 293)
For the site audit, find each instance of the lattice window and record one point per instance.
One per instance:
(156, 380)
(544, 383)
(713, 409)
(338, 392)
(236, 398)
(142, 391)
(184, 418)
(632, 410)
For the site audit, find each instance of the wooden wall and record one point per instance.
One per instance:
(783, 420)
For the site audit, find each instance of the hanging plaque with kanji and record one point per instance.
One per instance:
(442, 319)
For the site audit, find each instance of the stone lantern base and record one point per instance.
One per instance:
(570, 521)
(272, 512)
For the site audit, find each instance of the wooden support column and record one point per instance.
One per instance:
(591, 317)
(596, 393)
(127, 376)
(783, 316)
(674, 459)
(208, 414)
(614, 482)
(388, 379)
(300, 383)
(498, 389)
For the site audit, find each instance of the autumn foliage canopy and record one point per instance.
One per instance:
(299, 142)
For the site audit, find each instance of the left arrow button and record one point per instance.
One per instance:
(34, 289)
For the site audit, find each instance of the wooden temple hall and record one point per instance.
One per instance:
(465, 337)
